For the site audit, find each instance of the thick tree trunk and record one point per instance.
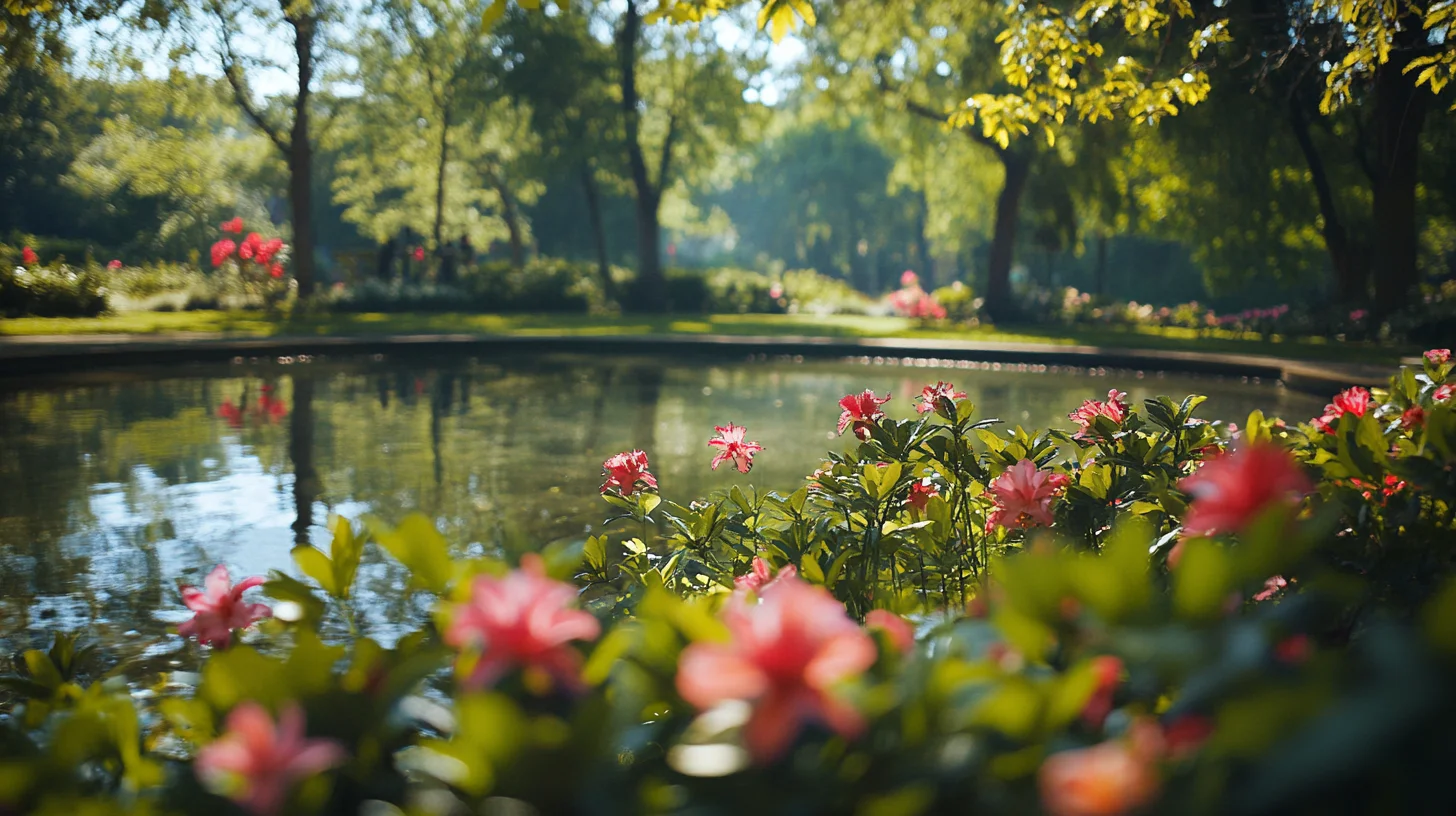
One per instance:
(650, 293)
(599, 233)
(300, 451)
(1352, 282)
(300, 159)
(444, 159)
(1003, 237)
(1400, 113)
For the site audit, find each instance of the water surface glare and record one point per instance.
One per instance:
(116, 485)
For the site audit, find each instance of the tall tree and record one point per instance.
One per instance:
(682, 101)
(302, 23)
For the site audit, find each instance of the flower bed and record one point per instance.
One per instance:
(1144, 612)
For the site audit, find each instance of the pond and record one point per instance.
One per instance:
(118, 484)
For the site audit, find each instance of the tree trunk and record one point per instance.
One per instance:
(599, 233)
(300, 451)
(509, 214)
(1352, 283)
(1400, 113)
(300, 159)
(439, 227)
(650, 293)
(1003, 238)
(922, 244)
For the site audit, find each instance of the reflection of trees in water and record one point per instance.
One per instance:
(300, 455)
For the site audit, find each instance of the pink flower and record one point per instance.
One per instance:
(259, 761)
(862, 410)
(1438, 356)
(899, 630)
(28, 256)
(276, 271)
(920, 493)
(1232, 489)
(1413, 417)
(776, 290)
(1115, 409)
(1358, 315)
(419, 253)
(1443, 393)
(521, 620)
(234, 226)
(222, 250)
(785, 656)
(1272, 586)
(250, 246)
(1024, 496)
(220, 608)
(760, 577)
(114, 265)
(625, 471)
(1354, 401)
(1108, 779)
(909, 279)
(930, 395)
(730, 440)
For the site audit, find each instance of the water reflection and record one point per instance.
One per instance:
(116, 486)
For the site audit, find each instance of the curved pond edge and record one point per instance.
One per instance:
(20, 356)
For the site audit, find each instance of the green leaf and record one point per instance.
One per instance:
(416, 544)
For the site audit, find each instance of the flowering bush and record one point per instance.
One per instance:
(1146, 612)
(255, 263)
(55, 289)
(913, 302)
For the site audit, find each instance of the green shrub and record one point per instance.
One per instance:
(542, 285)
(812, 293)
(51, 291)
(959, 302)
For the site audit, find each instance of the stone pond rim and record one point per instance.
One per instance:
(38, 354)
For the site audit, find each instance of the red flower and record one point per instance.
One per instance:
(1439, 356)
(265, 251)
(920, 493)
(1231, 490)
(929, 399)
(899, 630)
(1186, 734)
(785, 656)
(1108, 670)
(1115, 409)
(276, 270)
(760, 577)
(419, 253)
(1294, 649)
(28, 256)
(523, 619)
(220, 609)
(222, 250)
(1108, 779)
(1024, 496)
(862, 410)
(234, 226)
(625, 471)
(114, 265)
(259, 761)
(1354, 401)
(730, 440)
(1443, 393)
(250, 246)
(1414, 417)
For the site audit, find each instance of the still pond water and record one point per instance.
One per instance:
(116, 485)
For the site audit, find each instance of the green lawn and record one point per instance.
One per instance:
(260, 325)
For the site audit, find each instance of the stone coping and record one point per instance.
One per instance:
(39, 354)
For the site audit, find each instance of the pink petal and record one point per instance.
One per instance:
(217, 583)
(708, 674)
